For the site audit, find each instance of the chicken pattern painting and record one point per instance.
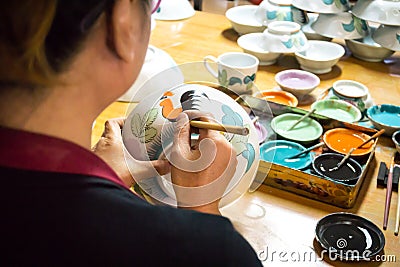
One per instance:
(152, 129)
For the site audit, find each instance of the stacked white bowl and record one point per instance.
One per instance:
(370, 28)
(257, 27)
(385, 13)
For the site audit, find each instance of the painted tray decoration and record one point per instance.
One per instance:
(149, 130)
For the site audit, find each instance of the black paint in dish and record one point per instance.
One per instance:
(347, 236)
(325, 164)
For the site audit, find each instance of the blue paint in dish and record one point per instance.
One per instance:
(279, 151)
(385, 114)
(386, 117)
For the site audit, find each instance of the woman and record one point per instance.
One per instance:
(62, 63)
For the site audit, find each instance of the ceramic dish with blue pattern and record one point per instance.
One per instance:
(149, 131)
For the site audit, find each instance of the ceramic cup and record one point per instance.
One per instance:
(284, 37)
(236, 70)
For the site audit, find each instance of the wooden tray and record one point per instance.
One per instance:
(305, 182)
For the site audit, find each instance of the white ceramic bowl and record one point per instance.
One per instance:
(381, 11)
(148, 132)
(341, 25)
(250, 43)
(284, 37)
(309, 32)
(158, 71)
(279, 10)
(320, 56)
(243, 19)
(319, 6)
(298, 82)
(367, 49)
(388, 37)
(174, 10)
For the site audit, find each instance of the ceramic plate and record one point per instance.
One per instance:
(337, 109)
(341, 140)
(149, 131)
(349, 236)
(306, 131)
(278, 152)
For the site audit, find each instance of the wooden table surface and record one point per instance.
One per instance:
(281, 225)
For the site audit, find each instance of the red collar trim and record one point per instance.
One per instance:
(37, 152)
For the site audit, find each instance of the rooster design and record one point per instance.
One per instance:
(189, 100)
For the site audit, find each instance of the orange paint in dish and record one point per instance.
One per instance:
(280, 97)
(341, 140)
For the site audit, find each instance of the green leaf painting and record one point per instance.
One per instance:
(141, 127)
(223, 78)
(234, 80)
(360, 25)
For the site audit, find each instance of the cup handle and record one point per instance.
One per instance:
(208, 67)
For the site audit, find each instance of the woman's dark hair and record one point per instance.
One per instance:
(38, 37)
(72, 21)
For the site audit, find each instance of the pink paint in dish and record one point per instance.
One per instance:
(297, 82)
(261, 131)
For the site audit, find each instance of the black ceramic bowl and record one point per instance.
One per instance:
(324, 165)
(346, 236)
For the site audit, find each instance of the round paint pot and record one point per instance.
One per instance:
(349, 237)
(341, 140)
(279, 151)
(305, 132)
(324, 165)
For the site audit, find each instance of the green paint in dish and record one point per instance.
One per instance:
(306, 131)
(338, 110)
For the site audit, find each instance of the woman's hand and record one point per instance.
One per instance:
(111, 149)
(200, 173)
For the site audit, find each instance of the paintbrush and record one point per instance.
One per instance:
(396, 228)
(388, 194)
(354, 148)
(220, 127)
(306, 150)
(301, 119)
